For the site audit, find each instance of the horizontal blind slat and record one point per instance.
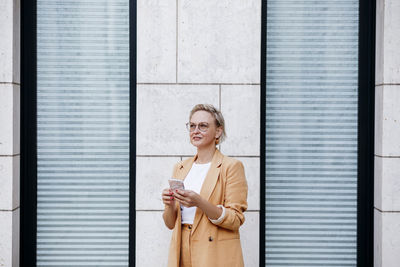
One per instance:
(83, 133)
(311, 133)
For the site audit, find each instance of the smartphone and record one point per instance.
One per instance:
(176, 184)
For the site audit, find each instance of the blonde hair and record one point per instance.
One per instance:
(219, 119)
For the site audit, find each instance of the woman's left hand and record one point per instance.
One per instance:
(187, 198)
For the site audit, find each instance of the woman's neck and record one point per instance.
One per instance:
(205, 155)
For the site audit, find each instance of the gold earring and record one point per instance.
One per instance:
(217, 141)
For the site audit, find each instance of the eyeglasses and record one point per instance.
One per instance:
(202, 126)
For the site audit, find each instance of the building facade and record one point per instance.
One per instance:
(190, 52)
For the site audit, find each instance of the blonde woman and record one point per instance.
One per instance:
(206, 215)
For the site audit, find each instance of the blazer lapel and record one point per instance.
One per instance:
(212, 175)
(184, 168)
(209, 184)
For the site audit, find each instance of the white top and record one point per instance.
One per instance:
(193, 181)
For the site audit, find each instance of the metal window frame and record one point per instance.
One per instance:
(366, 109)
(28, 137)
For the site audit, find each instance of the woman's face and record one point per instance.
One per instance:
(202, 139)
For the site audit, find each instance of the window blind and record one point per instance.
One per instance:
(83, 132)
(311, 133)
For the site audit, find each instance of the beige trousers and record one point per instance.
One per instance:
(185, 246)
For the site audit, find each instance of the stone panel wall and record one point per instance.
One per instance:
(9, 131)
(203, 52)
(193, 52)
(387, 135)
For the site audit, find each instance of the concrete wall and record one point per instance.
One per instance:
(387, 135)
(193, 52)
(9, 131)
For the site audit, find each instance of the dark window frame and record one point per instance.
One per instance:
(28, 137)
(366, 109)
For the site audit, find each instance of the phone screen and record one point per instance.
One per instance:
(176, 184)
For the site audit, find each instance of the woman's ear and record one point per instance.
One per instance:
(218, 133)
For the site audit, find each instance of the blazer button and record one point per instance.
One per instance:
(190, 227)
(210, 238)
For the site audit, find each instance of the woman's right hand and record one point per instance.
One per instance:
(170, 211)
(168, 198)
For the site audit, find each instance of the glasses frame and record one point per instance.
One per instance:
(197, 126)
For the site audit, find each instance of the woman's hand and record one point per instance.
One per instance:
(187, 198)
(168, 198)
(169, 214)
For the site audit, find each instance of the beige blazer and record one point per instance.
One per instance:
(214, 245)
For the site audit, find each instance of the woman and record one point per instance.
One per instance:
(206, 215)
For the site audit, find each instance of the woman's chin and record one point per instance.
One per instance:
(196, 144)
(200, 145)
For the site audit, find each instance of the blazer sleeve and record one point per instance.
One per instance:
(174, 171)
(235, 201)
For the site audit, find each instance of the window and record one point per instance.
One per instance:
(77, 171)
(317, 82)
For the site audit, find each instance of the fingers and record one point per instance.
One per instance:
(180, 192)
(179, 198)
(167, 197)
(183, 201)
(167, 191)
(168, 202)
(183, 198)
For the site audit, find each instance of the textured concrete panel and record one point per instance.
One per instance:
(152, 174)
(249, 237)
(16, 42)
(156, 41)
(379, 41)
(387, 239)
(219, 41)
(9, 238)
(387, 120)
(9, 183)
(378, 119)
(377, 238)
(378, 179)
(391, 39)
(163, 111)
(387, 68)
(252, 171)
(387, 184)
(152, 239)
(6, 39)
(9, 119)
(240, 105)
(16, 236)
(9, 41)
